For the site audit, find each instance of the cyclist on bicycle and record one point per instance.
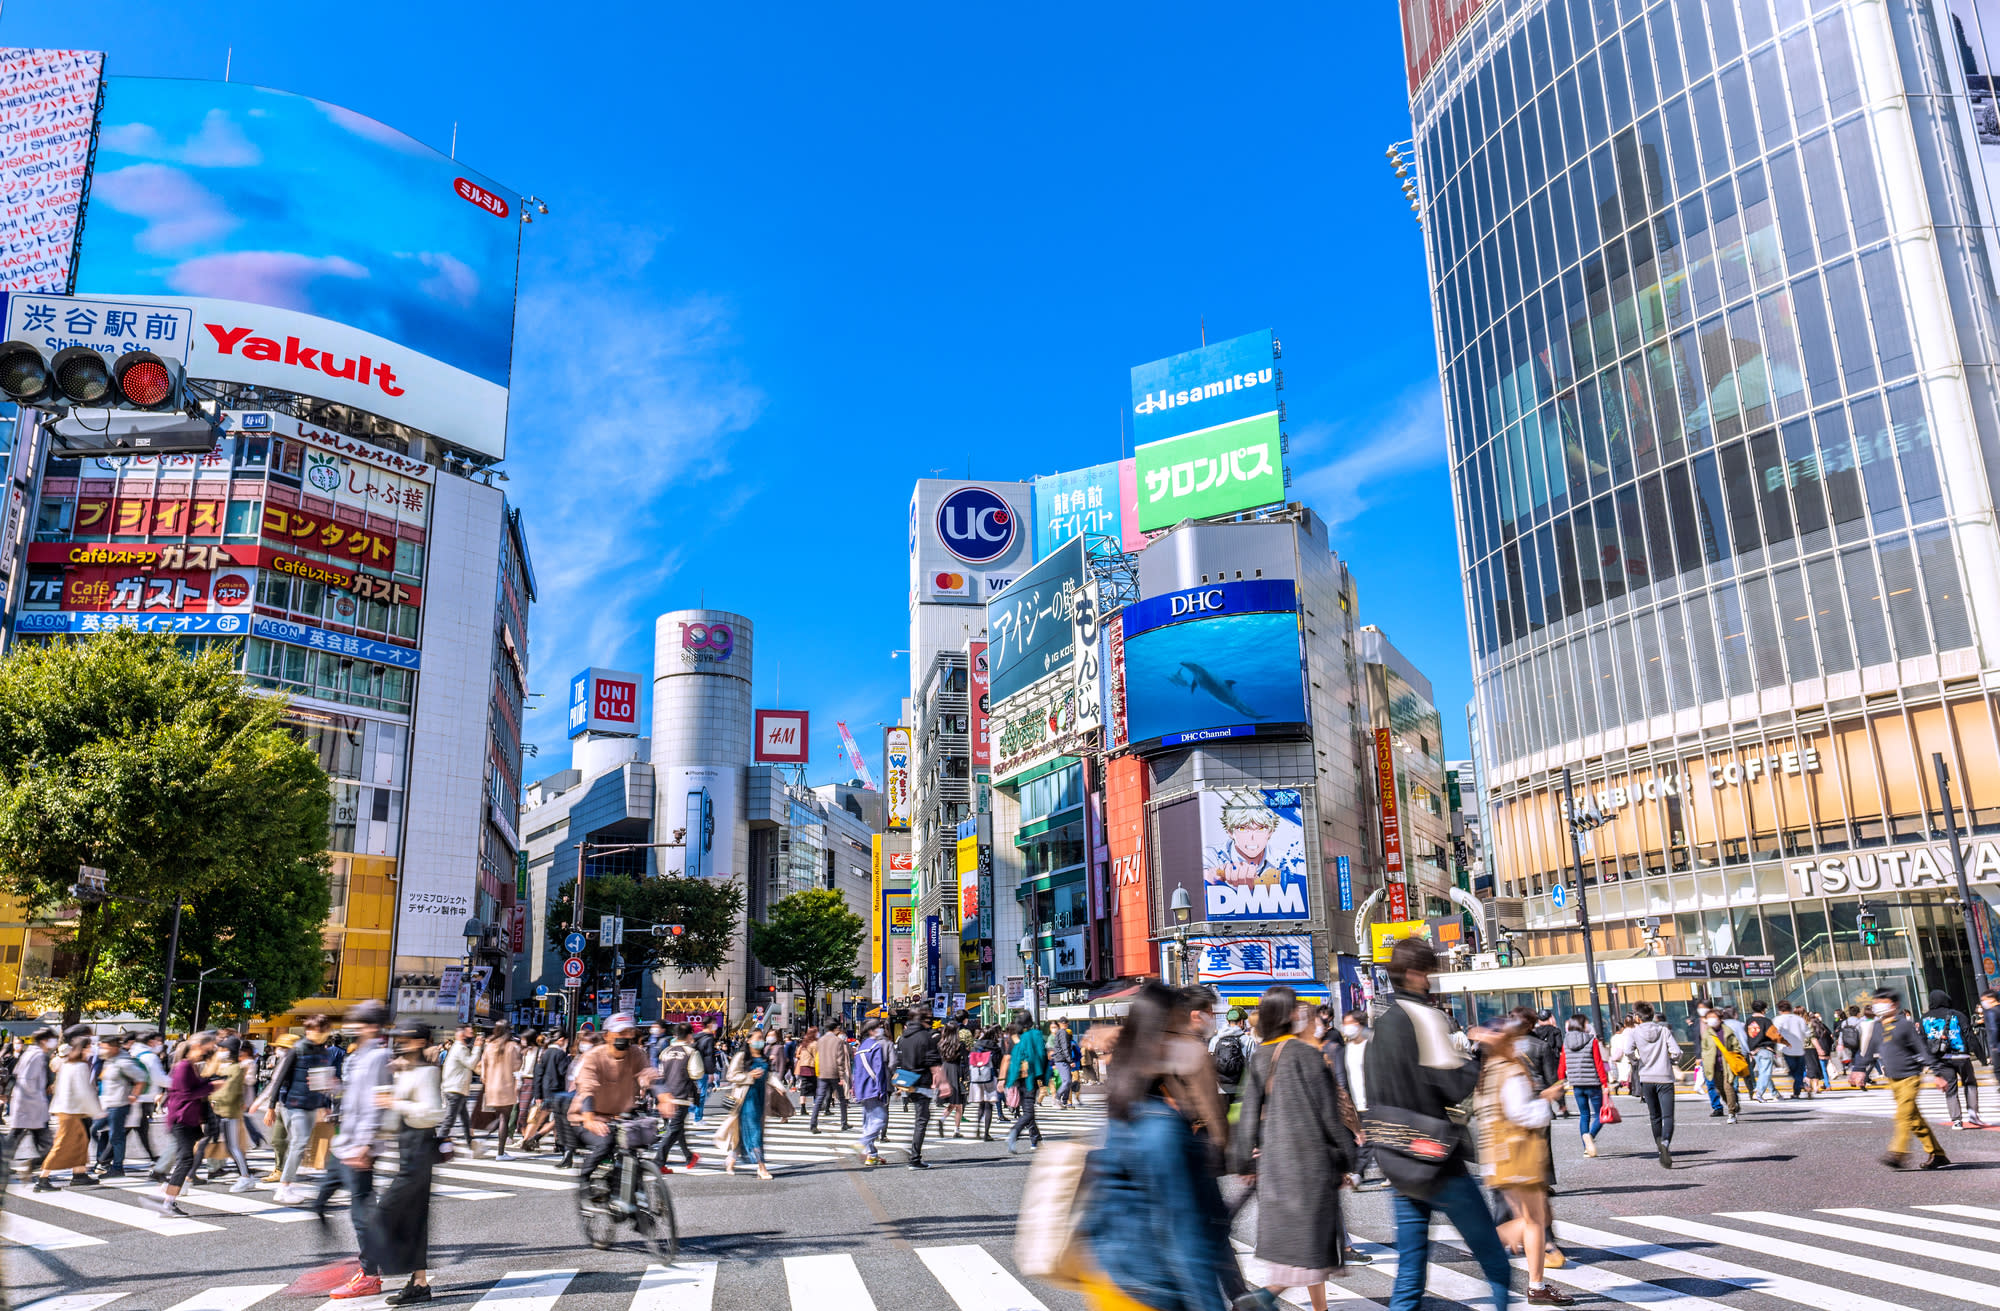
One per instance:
(608, 1081)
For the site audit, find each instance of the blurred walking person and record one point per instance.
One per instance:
(1897, 1041)
(1511, 1121)
(1155, 1222)
(1722, 1060)
(413, 1107)
(1415, 1075)
(187, 1111)
(831, 1064)
(1027, 1069)
(73, 1102)
(28, 1102)
(499, 1065)
(366, 1071)
(1950, 1037)
(1290, 1143)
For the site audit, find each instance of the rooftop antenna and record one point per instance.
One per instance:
(227, 60)
(1204, 329)
(454, 139)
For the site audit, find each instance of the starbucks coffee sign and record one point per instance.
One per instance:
(1898, 869)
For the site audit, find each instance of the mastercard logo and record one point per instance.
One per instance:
(949, 582)
(232, 589)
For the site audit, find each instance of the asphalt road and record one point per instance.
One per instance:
(1787, 1207)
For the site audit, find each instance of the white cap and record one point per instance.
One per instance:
(622, 1020)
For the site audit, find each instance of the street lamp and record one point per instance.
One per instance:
(198, 981)
(1581, 820)
(1027, 950)
(1182, 908)
(474, 931)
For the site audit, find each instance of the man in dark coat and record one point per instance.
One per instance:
(1290, 1136)
(1415, 1075)
(1544, 1056)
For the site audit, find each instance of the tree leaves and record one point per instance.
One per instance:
(127, 752)
(811, 939)
(706, 911)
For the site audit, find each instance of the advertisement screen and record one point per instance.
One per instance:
(1028, 628)
(1253, 844)
(603, 701)
(896, 776)
(784, 737)
(982, 706)
(968, 541)
(704, 799)
(1232, 672)
(1217, 471)
(47, 100)
(1207, 388)
(322, 252)
(1097, 501)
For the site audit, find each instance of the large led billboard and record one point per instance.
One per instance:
(1207, 426)
(1028, 626)
(321, 251)
(1100, 501)
(48, 99)
(1253, 861)
(1212, 662)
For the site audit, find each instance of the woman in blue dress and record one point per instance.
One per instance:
(748, 1074)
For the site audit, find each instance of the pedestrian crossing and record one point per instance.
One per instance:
(966, 1276)
(1831, 1259)
(89, 1216)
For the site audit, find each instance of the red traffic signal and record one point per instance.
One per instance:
(82, 376)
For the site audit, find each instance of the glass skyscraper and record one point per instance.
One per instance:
(1715, 305)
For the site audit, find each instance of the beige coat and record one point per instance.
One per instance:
(498, 1066)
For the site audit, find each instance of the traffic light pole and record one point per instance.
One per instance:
(1958, 869)
(576, 921)
(1582, 905)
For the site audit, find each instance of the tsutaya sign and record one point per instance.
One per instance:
(1728, 774)
(1899, 868)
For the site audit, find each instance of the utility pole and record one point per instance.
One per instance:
(1578, 820)
(1958, 868)
(173, 955)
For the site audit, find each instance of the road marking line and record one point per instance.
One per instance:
(1611, 1284)
(228, 1299)
(233, 1203)
(527, 1290)
(1825, 1258)
(976, 1281)
(1439, 1280)
(137, 1217)
(1969, 1212)
(827, 1283)
(683, 1286)
(465, 1194)
(1723, 1272)
(74, 1302)
(45, 1238)
(1866, 1237)
(1984, 1233)
(510, 1181)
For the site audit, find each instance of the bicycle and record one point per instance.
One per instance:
(627, 1188)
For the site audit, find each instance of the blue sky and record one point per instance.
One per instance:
(798, 257)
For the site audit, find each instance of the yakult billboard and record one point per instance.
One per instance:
(320, 251)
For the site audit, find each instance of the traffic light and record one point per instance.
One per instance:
(135, 402)
(249, 996)
(1864, 915)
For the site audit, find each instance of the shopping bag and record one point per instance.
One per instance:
(729, 1135)
(777, 1106)
(318, 1143)
(1049, 1242)
(1610, 1113)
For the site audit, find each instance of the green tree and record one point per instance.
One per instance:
(706, 911)
(159, 765)
(810, 939)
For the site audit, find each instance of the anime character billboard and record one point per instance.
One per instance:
(1253, 855)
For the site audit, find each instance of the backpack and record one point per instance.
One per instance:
(869, 1076)
(1944, 1036)
(1228, 1058)
(982, 1066)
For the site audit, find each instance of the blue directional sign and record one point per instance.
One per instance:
(575, 943)
(1559, 895)
(541, 990)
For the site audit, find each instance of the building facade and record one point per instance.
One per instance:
(1718, 352)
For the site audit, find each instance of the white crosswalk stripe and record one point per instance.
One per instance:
(43, 1237)
(975, 1281)
(532, 1290)
(684, 1286)
(74, 1302)
(1865, 1237)
(827, 1283)
(102, 1208)
(1804, 1291)
(1825, 1258)
(240, 1298)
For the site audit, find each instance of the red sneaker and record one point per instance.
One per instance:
(694, 1159)
(359, 1286)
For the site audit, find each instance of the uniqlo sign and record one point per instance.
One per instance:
(603, 701)
(783, 737)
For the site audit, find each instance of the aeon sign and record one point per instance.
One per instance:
(707, 641)
(976, 525)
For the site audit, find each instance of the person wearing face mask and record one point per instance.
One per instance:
(413, 1106)
(607, 1086)
(1897, 1041)
(750, 1075)
(1722, 1060)
(1352, 1054)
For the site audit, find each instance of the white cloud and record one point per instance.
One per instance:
(622, 419)
(1369, 456)
(369, 129)
(217, 143)
(179, 212)
(278, 278)
(452, 281)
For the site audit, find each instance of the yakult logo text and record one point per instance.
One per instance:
(363, 370)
